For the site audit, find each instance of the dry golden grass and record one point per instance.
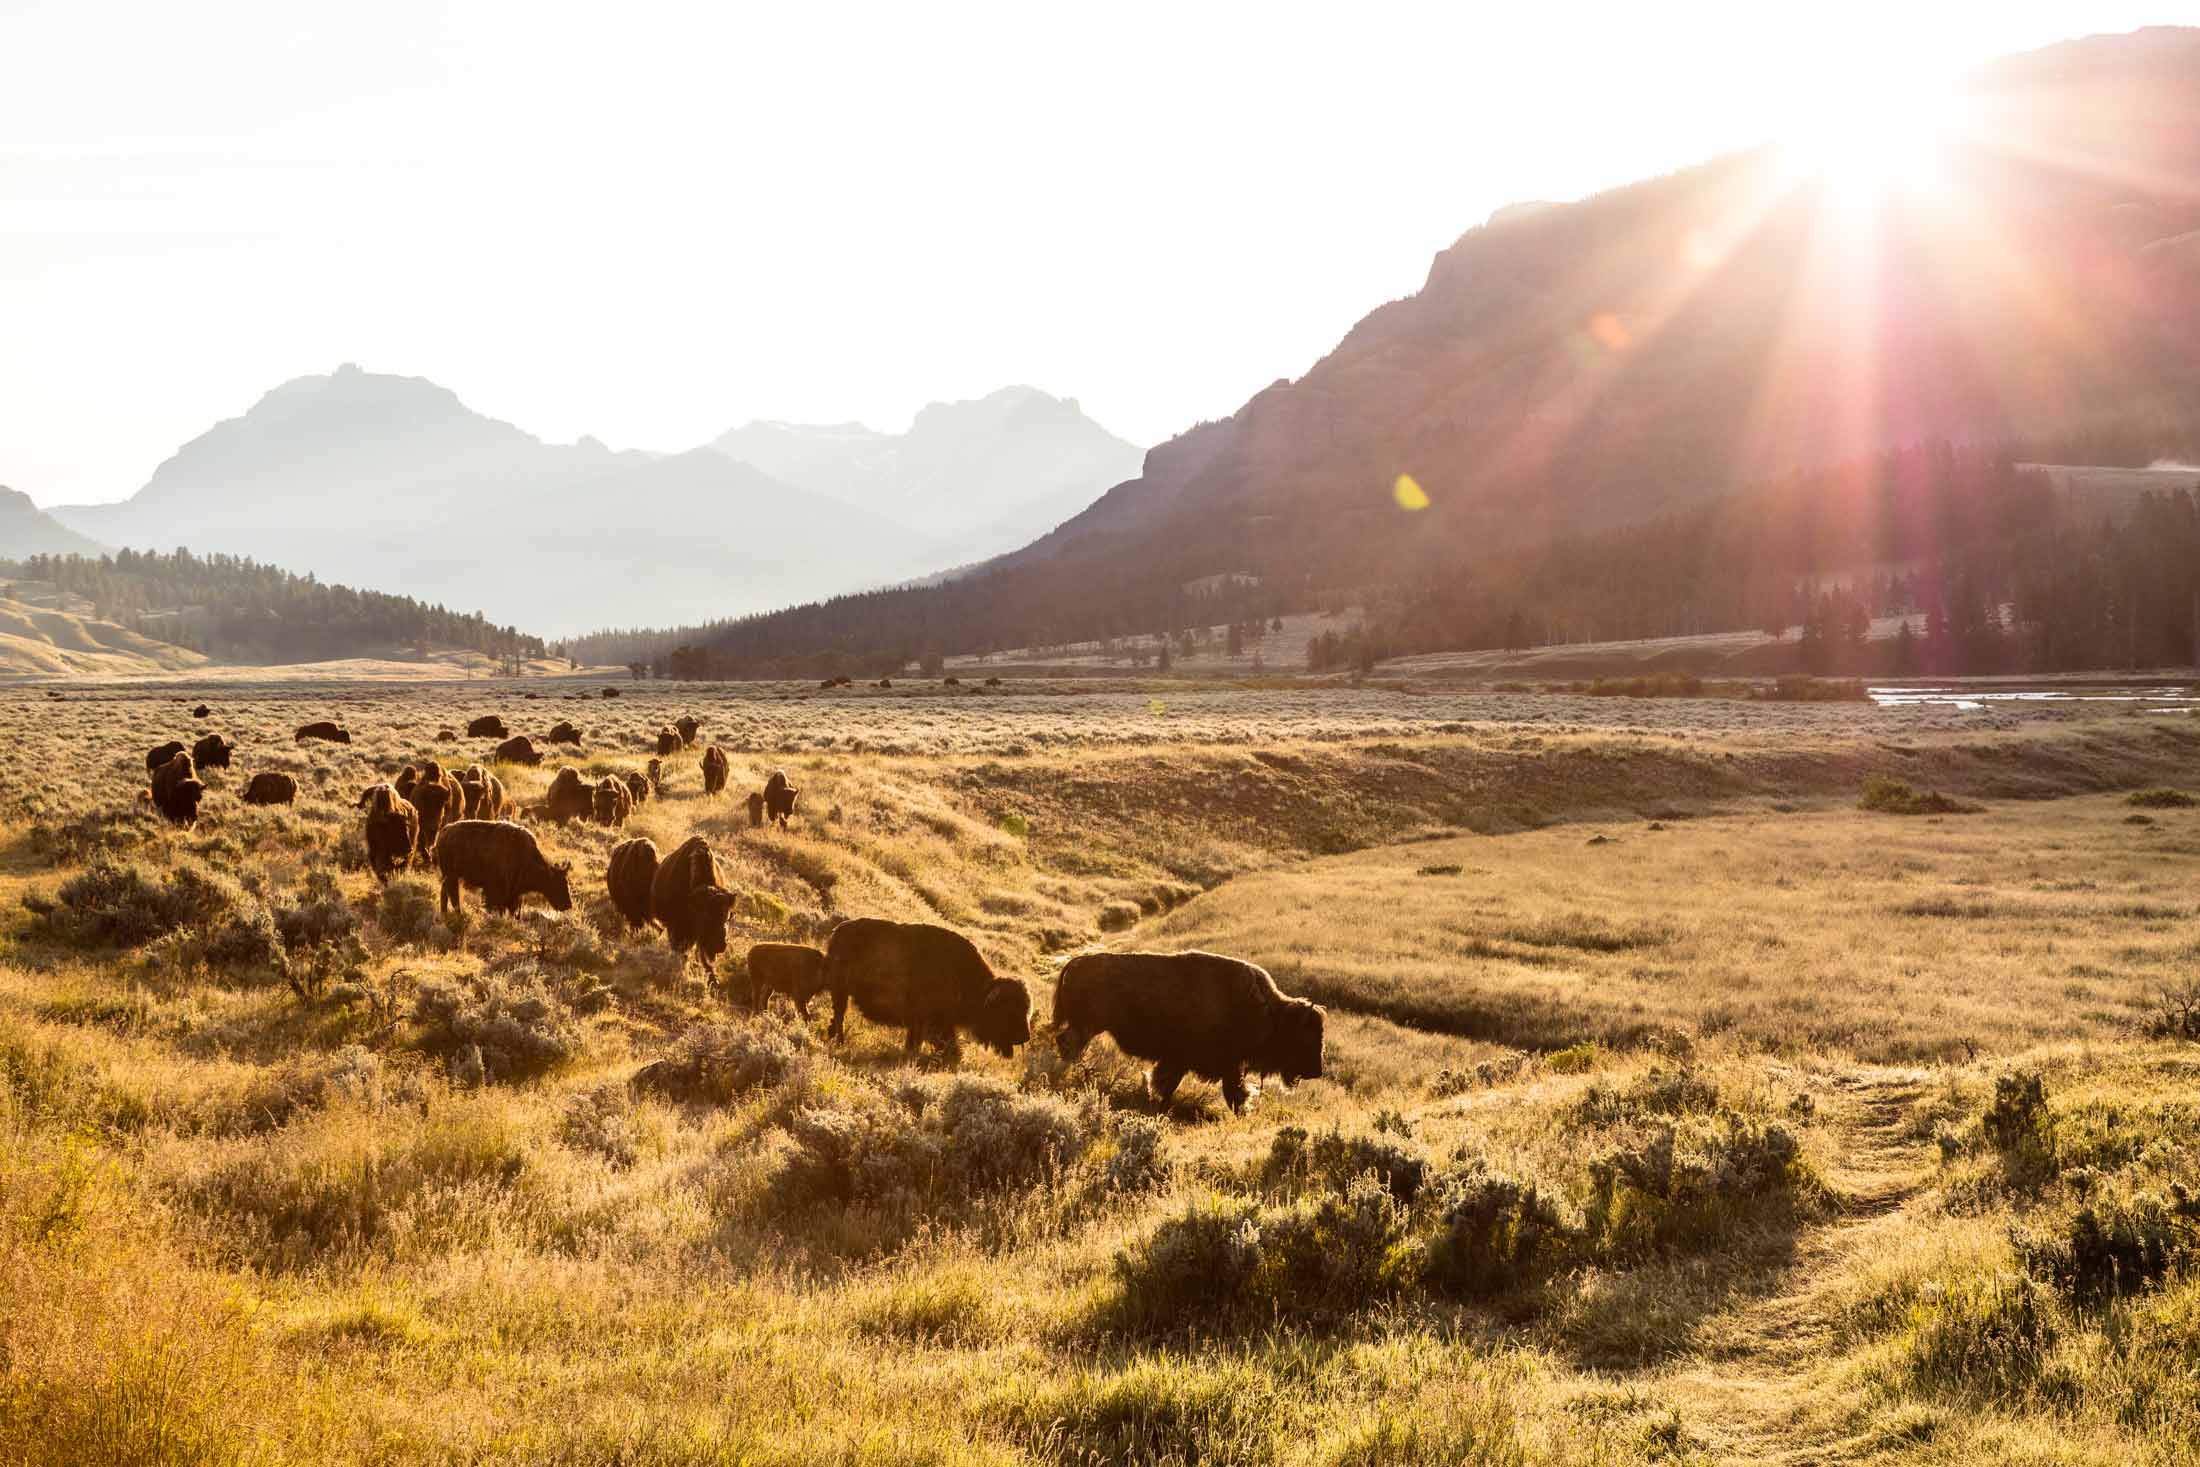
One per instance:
(1748, 1062)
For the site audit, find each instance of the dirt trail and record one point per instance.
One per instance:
(1749, 1393)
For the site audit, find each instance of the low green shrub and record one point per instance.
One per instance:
(503, 1025)
(1895, 797)
(2161, 799)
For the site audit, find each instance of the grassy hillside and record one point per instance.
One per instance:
(1685, 1117)
(48, 640)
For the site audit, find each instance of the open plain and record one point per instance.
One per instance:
(1675, 1108)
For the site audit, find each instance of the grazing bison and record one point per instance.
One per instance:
(656, 776)
(176, 790)
(393, 830)
(441, 801)
(486, 798)
(612, 803)
(1190, 1013)
(789, 968)
(756, 809)
(154, 758)
(779, 797)
(828, 684)
(688, 726)
(925, 979)
(611, 692)
(638, 786)
(952, 682)
(488, 726)
(992, 682)
(885, 682)
(630, 877)
(201, 711)
(520, 750)
(212, 752)
(668, 742)
(270, 787)
(690, 898)
(715, 768)
(325, 730)
(569, 798)
(565, 733)
(503, 860)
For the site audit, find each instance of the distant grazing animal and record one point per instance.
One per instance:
(212, 752)
(503, 860)
(637, 785)
(520, 750)
(789, 968)
(569, 797)
(925, 979)
(1190, 1013)
(992, 682)
(668, 742)
(885, 682)
(565, 733)
(393, 831)
(446, 736)
(611, 692)
(154, 758)
(631, 874)
(715, 768)
(779, 797)
(331, 732)
(611, 801)
(831, 682)
(201, 711)
(690, 897)
(756, 808)
(270, 787)
(953, 682)
(440, 800)
(656, 776)
(176, 790)
(689, 726)
(488, 726)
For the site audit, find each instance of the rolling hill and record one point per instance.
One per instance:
(27, 530)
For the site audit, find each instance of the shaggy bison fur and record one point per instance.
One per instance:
(789, 968)
(176, 790)
(779, 797)
(756, 808)
(1190, 1013)
(629, 877)
(638, 786)
(565, 733)
(212, 752)
(393, 831)
(689, 896)
(715, 768)
(569, 797)
(927, 980)
(440, 799)
(488, 726)
(688, 726)
(668, 742)
(503, 860)
(270, 787)
(154, 758)
(520, 750)
(201, 711)
(486, 798)
(326, 730)
(612, 802)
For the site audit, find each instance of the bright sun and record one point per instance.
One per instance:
(1863, 147)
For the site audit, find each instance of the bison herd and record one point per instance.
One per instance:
(1189, 1013)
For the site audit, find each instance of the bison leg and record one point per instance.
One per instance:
(915, 1042)
(1166, 1077)
(450, 892)
(1233, 1090)
(839, 1026)
(949, 1039)
(1070, 1043)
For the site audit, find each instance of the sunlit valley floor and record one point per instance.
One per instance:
(1677, 1109)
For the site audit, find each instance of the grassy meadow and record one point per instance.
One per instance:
(1677, 1109)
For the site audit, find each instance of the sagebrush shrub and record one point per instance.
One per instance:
(1493, 1233)
(408, 910)
(720, 1062)
(1296, 1161)
(518, 1028)
(2114, 1246)
(602, 1121)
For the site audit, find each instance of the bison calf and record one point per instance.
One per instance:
(1189, 1013)
(927, 980)
(715, 768)
(789, 968)
(504, 861)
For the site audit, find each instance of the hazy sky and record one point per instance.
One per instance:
(653, 222)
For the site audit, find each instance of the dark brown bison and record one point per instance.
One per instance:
(715, 768)
(520, 750)
(488, 726)
(393, 831)
(325, 730)
(885, 682)
(688, 726)
(638, 786)
(446, 736)
(927, 980)
(176, 790)
(201, 711)
(630, 877)
(690, 898)
(503, 860)
(212, 752)
(270, 787)
(1190, 1013)
(779, 797)
(406, 779)
(569, 797)
(656, 776)
(154, 758)
(789, 968)
(441, 801)
(828, 684)
(564, 733)
(952, 682)
(992, 682)
(611, 801)
(668, 742)
(485, 795)
(756, 808)
(611, 692)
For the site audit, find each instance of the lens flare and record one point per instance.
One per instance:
(1410, 496)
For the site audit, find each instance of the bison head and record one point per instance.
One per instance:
(1004, 1018)
(183, 800)
(212, 752)
(342, 736)
(559, 887)
(1294, 1049)
(711, 906)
